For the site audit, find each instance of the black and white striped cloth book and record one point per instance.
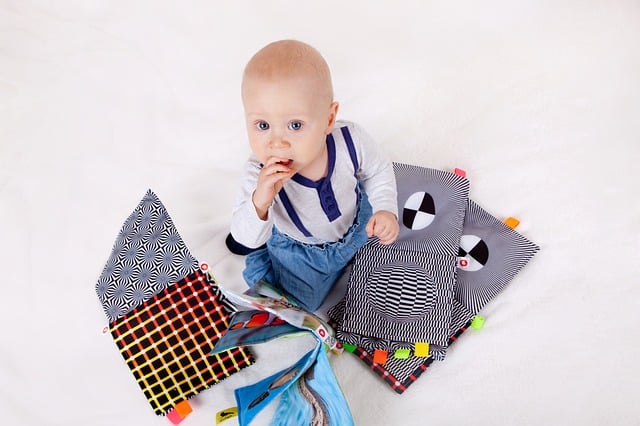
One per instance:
(402, 293)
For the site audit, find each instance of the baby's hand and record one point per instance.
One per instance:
(273, 175)
(384, 225)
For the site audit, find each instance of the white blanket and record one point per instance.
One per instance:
(538, 101)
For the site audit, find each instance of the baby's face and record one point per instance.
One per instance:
(288, 120)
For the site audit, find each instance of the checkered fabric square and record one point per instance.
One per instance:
(166, 340)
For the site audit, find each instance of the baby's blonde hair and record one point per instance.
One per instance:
(286, 59)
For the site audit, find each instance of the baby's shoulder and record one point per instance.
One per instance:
(355, 131)
(345, 123)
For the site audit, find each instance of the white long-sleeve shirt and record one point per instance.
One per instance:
(327, 219)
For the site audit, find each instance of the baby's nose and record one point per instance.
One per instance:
(278, 142)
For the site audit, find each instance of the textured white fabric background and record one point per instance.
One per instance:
(538, 100)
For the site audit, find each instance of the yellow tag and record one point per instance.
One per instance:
(421, 349)
(226, 414)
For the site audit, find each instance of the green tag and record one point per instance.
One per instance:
(349, 347)
(477, 322)
(402, 353)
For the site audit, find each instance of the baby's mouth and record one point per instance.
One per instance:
(286, 163)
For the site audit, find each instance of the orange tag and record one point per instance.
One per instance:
(183, 408)
(511, 222)
(380, 356)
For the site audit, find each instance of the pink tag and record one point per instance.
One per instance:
(174, 417)
(460, 172)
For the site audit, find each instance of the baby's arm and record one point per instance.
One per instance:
(376, 173)
(247, 227)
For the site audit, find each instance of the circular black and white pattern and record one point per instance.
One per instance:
(473, 253)
(400, 291)
(419, 211)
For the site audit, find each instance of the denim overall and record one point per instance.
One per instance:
(308, 271)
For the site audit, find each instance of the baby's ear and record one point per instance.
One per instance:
(333, 113)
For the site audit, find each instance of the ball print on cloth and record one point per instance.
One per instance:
(147, 256)
(398, 295)
(400, 291)
(433, 204)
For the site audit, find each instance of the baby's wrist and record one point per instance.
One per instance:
(385, 212)
(261, 210)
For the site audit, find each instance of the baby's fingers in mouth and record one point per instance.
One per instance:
(286, 162)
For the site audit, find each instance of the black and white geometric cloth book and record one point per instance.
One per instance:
(403, 292)
(147, 256)
(432, 206)
(491, 254)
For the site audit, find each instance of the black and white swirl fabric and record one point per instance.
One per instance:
(147, 256)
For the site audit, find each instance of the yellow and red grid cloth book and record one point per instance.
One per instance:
(166, 313)
(166, 342)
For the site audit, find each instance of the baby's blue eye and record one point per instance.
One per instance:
(295, 125)
(262, 125)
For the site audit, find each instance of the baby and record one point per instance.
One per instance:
(315, 188)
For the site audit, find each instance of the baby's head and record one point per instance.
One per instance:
(288, 101)
(288, 60)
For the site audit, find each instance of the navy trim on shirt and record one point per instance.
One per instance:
(323, 185)
(351, 148)
(352, 153)
(292, 213)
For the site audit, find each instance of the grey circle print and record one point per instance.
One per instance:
(419, 211)
(473, 253)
